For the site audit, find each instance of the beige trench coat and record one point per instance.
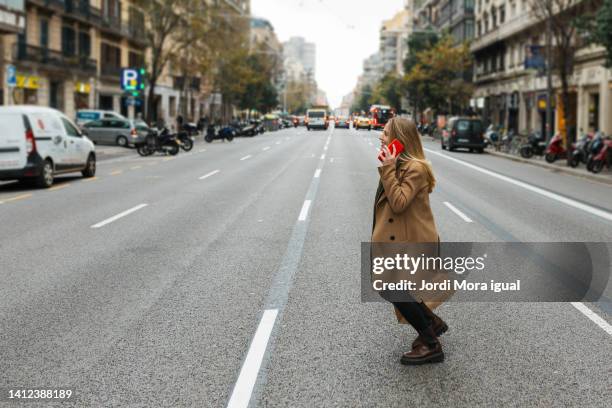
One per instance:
(402, 213)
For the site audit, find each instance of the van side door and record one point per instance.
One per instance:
(51, 140)
(76, 145)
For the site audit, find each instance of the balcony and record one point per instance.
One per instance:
(110, 71)
(508, 29)
(53, 5)
(12, 16)
(55, 60)
(82, 11)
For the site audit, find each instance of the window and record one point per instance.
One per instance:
(111, 55)
(135, 60)
(94, 124)
(502, 14)
(84, 44)
(119, 124)
(68, 41)
(70, 129)
(44, 33)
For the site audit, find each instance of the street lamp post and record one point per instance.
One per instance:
(549, 88)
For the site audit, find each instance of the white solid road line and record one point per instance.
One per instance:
(118, 216)
(212, 173)
(304, 212)
(241, 394)
(246, 158)
(593, 316)
(456, 211)
(567, 201)
(318, 173)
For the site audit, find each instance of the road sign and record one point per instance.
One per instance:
(132, 79)
(11, 76)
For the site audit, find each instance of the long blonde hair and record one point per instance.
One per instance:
(406, 132)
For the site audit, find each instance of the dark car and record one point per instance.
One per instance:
(464, 132)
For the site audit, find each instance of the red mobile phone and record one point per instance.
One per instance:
(396, 147)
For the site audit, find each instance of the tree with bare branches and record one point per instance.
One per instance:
(560, 16)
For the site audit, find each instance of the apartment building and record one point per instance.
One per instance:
(512, 93)
(455, 17)
(12, 22)
(394, 35)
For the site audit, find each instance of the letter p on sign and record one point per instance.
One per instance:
(130, 79)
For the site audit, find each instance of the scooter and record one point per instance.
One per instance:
(601, 150)
(492, 136)
(555, 149)
(580, 152)
(535, 145)
(185, 140)
(162, 142)
(225, 133)
(190, 128)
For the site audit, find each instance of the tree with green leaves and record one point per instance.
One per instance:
(164, 22)
(436, 80)
(389, 91)
(596, 27)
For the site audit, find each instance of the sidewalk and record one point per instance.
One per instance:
(560, 166)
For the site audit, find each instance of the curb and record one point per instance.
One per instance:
(556, 169)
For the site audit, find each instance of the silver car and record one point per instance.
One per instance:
(120, 132)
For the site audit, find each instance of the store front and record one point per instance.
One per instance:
(26, 91)
(82, 91)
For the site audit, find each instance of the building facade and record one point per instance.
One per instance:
(394, 35)
(511, 91)
(455, 17)
(297, 49)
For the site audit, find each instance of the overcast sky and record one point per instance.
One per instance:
(345, 32)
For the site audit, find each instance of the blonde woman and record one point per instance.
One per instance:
(402, 214)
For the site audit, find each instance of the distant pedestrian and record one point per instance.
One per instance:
(402, 214)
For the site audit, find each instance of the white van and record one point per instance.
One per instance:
(316, 119)
(84, 116)
(36, 143)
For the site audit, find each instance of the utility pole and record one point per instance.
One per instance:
(549, 87)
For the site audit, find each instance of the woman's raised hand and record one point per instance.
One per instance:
(388, 157)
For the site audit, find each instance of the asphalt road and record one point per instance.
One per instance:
(231, 274)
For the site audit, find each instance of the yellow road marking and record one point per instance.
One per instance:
(168, 159)
(136, 168)
(116, 173)
(59, 187)
(16, 198)
(90, 179)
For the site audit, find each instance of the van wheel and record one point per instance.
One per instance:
(45, 179)
(122, 141)
(90, 169)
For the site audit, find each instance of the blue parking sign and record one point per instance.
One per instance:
(11, 76)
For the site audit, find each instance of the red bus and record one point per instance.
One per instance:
(380, 115)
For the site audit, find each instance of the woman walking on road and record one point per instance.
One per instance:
(402, 214)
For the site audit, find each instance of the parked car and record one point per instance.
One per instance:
(120, 132)
(38, 143)
(84, 116)
(464, 132)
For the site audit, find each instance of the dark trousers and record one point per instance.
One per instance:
(413, 312)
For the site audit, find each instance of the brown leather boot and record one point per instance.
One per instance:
(429, 350)
(440, 327)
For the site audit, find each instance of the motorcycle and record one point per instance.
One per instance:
(185, 140)
(190, 128)
(535, 145)
(580, 152)
(555, 149)
(601, 149)
(225, 133)
(162, 142)
(492, 136)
